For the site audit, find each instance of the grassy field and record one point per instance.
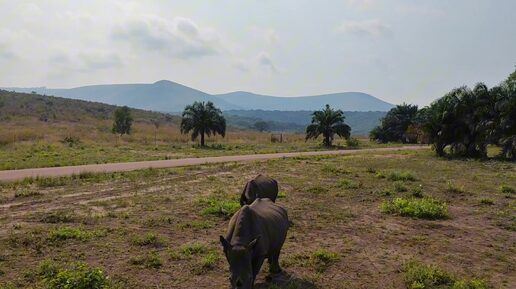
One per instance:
(375, 220)
(44, 145)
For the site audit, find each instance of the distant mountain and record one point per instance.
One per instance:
(349, 101)
(168, 96)
(164, 95)
(361, 122)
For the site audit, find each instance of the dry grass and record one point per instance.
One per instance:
(339, 239)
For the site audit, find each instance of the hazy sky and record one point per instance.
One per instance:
(400, 51)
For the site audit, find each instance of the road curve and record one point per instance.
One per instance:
(13, 175)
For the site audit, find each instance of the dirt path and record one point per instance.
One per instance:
(12, 175)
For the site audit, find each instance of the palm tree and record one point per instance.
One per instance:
(328, 122)
(202, 118)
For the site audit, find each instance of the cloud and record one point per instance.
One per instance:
(362, 4)
(265, 60)
(268, 36)
(179, 37)
(85, 61)
(6, 53)
(369, 28)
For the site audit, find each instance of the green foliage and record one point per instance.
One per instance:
(123, 121)
(395, 125)
(149, 260)
(421, 276)
(203, 119)
(76, 276)
(349, 184)
(506, 189)
(218, 206)
(69, 233)
(426, 208)
(329, 123)
(317, 190)
(195, 248)
(319, 259)
(261, 126)
(352, 142)
(399, 187)
(401, 176)
(149, 239)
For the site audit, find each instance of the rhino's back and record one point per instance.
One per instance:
(273, 220)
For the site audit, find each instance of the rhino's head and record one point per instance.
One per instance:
(240, 263)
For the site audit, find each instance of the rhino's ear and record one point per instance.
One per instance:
(253, 243)
(224, 243)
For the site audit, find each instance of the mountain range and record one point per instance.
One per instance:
(168, 96)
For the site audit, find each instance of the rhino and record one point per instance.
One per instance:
(255, 232)
(259, 187)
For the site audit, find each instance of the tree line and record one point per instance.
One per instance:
(461, 123)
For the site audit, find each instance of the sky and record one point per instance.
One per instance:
(411, 51)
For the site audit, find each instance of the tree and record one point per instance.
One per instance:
(395, 124)
(202, 118)
(504, 132)
(261, 126)
(123, 121)
(156, 124)
(328, 122)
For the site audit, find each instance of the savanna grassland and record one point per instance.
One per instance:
(45, 131)
(371, 220)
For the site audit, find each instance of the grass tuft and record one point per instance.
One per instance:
(149, 239)
(403, 176)
(426, 208)
(506, 189)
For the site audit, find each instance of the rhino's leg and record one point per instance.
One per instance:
(274, 266)
(257, 265)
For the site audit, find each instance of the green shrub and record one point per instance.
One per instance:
(506, 189)
(452, 188)
(349, 184)
(401, 176)
(352, 142)
(77, 276)
(150, 260)
(193, 249)
(149, 239)
(487, 201)
(421, 276)
(426, 208)
(399, 187)
(220, 207)
(282, 194)
(417, 191)
(322, 259)
(69, 233)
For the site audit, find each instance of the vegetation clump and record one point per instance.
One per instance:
(218, 206)
(401, 176)
(426, 208)
(69, 233)
(506, 189)
(421, 276)
(149, 239)
(202, 119)
(76, 276)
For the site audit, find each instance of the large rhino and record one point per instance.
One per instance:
(255, 232)
(259, 187)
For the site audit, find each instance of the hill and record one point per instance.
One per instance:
(348, 101)
(168, 96)
(361, 122)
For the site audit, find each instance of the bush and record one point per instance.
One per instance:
(506, 189)
(68, 233)
(150, 260)
(78, 276)
(220, 207)
(401, 176)
(399, 187)
(149, 239)
(193, 249)
(352, 142)
(421, 276)
(426, 208)
(349, 184)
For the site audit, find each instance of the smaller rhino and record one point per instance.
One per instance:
(259, 187)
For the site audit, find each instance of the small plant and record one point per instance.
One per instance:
(401, 176)
(335, 170)
(220, 207)
(380, 175)
(149, 239)
(352, 142)
(193, 249)
(399, 187)
(417, 192)
(454, 189)
(322, 259)
(150, 260)
(426, 208)
(197, 224)
(25, 193)
(506, 189)
(68, 233)
(58, 217)
(370, 170)
(349, 184)
(487, 201)
(282, 194)
(77, 276)
(317, 190)
(422, 276)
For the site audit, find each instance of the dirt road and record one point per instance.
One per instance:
(12, 175)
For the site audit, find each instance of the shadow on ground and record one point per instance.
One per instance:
(284, 280)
